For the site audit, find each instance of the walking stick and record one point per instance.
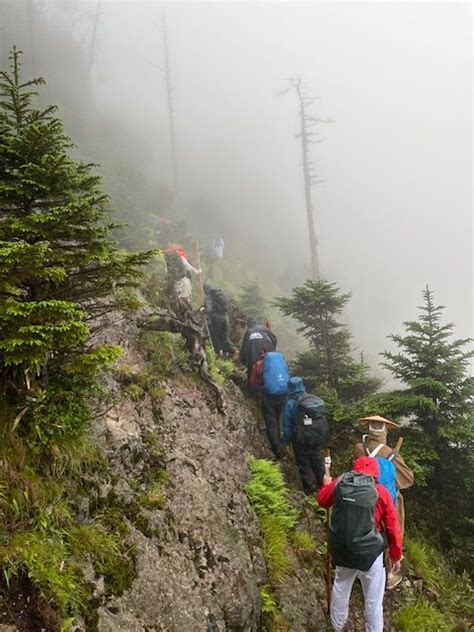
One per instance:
(327, 471)
(198, 258)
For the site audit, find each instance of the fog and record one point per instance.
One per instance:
(395, 210)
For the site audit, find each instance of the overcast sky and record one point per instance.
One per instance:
(395, 212)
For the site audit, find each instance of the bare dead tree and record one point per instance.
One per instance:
(308, 137)
(93, 40)
(169, 96)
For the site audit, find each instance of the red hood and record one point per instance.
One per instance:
(366, 465)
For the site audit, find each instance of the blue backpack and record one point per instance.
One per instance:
(275, 374)
(387, 477)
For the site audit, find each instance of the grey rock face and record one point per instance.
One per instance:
(202, 569)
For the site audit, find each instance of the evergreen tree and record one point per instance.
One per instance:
(317, 305)
(252, 302)
(438, 402)
(59, 267)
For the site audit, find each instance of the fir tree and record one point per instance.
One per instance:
(252, 302)
(59, 267)
(318, 305)
(438, 403)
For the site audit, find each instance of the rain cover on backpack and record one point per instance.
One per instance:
(354, 539)
(275, 374)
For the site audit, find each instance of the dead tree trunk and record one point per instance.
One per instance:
(313, 244)
(93, 41)
(307, 136)
(169, 98)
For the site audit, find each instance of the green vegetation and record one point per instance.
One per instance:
(252, 302)
(268, 495)
(438, 399)
(272, 619)
(61, 274)
(221, 369)
(328, 365)
(422, 616)
(453, 593)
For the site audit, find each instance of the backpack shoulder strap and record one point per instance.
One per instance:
(376, 450)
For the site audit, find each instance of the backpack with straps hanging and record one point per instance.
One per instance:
(310, 425)
(220, 304)
(354, 539)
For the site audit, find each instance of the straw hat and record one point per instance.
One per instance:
(365, 421)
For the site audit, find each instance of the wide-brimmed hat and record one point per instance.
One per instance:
(365, 421)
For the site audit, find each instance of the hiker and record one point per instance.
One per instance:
(257, 339)
(305, 426)
(270, 378)
(374, 444)
(363, 511)
(216, 308)
(179, 271)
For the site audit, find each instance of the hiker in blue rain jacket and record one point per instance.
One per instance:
(305, 427)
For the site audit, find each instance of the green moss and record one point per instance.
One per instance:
(268, 496)
(422, 616)
(108, 552)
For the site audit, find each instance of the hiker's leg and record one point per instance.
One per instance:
(317, 465)
(303, 463)
(341, 593)
(271, 425)
(214, 331)
(373, 587)
(226, 342)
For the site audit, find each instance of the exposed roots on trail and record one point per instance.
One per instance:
(192, 327)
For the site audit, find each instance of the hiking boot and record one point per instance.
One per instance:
(393, 579)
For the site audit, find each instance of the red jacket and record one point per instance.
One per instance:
(386, 518)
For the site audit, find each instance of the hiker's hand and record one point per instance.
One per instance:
(327, 480)
(396, 566)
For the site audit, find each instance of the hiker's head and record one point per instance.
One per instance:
(358, 450)
(251, 322)
(207, 287)
(377, 426)
(295, 385)
(366, 465)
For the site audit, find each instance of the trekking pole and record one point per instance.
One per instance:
(327, 471)
(198, 259)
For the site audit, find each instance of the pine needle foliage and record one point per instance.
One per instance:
(268, 495)
(59, 266)
(437, 398)
(318, 306)
(252, 302)
(61, 273)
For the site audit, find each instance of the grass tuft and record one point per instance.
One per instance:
(422, 616)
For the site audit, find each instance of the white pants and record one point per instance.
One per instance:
(373, 587)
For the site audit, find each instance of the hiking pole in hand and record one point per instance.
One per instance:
(327, 471)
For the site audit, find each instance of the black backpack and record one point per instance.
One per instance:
(311, 425)
(219, 302)
(354, 540)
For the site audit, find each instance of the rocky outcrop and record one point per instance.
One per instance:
(199, 564)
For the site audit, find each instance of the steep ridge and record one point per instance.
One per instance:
(198, 552)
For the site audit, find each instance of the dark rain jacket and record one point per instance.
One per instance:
(257, 340)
